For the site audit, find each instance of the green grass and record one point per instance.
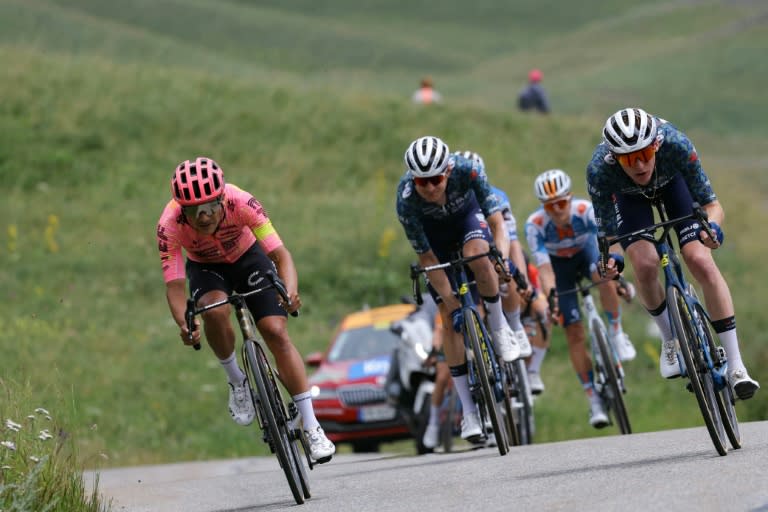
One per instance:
(101, 101)
(39, 468)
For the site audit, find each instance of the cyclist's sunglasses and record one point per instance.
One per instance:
(210, 208)
(557, 203)
(434, 180)
(629, 159)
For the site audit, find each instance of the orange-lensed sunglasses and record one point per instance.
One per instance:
(629, 159)
(557, 203)
(433, 180)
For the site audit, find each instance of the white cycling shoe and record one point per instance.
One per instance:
(471, 429)
(624, 347)
(505, 343)
(522, 341)
(240, 403)
(668, 364)
(321, 449)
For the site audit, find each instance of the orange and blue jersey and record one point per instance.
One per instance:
(545, 239)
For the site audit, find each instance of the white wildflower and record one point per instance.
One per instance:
(12, 425)
(8, 444)
(5, 467)
(31, 417)
(34, 459)
(40, 410)
(45, 435)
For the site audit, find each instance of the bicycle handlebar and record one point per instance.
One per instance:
(698, 213)
(274, 282)
(493, 253)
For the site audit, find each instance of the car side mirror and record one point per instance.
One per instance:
(314, 359)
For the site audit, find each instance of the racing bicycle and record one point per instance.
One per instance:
(703, 361)
(279, 422)
(608, 372)
(487, 382)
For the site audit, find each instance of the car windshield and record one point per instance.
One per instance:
(362, 343)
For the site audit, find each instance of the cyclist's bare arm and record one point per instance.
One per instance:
(286, 270)
(516, 255)
(439, 280)
(176, 294)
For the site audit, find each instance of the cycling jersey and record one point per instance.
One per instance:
(506, 212)
(545, 238)
(676, 155)
(243, 223)
(466, 189)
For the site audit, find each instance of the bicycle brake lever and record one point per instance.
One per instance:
(189, 314)
(278, 284)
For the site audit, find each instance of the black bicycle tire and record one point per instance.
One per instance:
(615, 398)
(257, 367)
(474, 331)
(526, 424)
(690, 350)
(510, 417)
(725, 398)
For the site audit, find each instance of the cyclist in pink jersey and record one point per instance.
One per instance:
(229, 242)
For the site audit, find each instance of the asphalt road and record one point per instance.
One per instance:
(665, 471)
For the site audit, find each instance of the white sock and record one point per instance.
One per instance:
(513, 319)
(303, 402)
(731, 345)
(461, 384)
(496, 319)
(534, 365)
(234, 373)
(434, 415)
(662, 322)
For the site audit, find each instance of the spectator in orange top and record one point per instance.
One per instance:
(426, 93)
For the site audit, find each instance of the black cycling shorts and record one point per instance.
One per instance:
(239, 276)
(636, 212)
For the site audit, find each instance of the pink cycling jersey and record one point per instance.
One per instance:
(244, 222)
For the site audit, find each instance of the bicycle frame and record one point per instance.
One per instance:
(478, 358)
(275, 419)
(700, 360)
(608, 370)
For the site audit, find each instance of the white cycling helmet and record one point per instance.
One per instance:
(471, 155)
(427, 156)
(629, 129)
(551, 184)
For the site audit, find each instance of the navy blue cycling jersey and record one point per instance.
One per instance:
(676, 155)
(467, 187)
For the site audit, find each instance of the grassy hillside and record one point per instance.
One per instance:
(100, 104)
(597, 55)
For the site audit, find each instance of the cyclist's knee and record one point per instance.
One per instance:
(700, 262)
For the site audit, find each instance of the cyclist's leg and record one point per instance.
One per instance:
(211, 283)
(476, 241)
(637, 213)
(567, 272)
(717, 296)
(512, 302)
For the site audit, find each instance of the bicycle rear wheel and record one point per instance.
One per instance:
(613, 390)
(696, 369)
(481, 359)
(274, 417)
(511, 413)
(725, 399)
(523, 401)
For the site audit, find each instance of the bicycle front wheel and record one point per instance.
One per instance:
(511, 410)
(613, 390)
(725, 399)
(696, 368)
(275, 420)
(483, 364)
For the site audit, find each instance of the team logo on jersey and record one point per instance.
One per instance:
(407, 190)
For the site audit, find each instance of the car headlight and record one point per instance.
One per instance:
(319, 393)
